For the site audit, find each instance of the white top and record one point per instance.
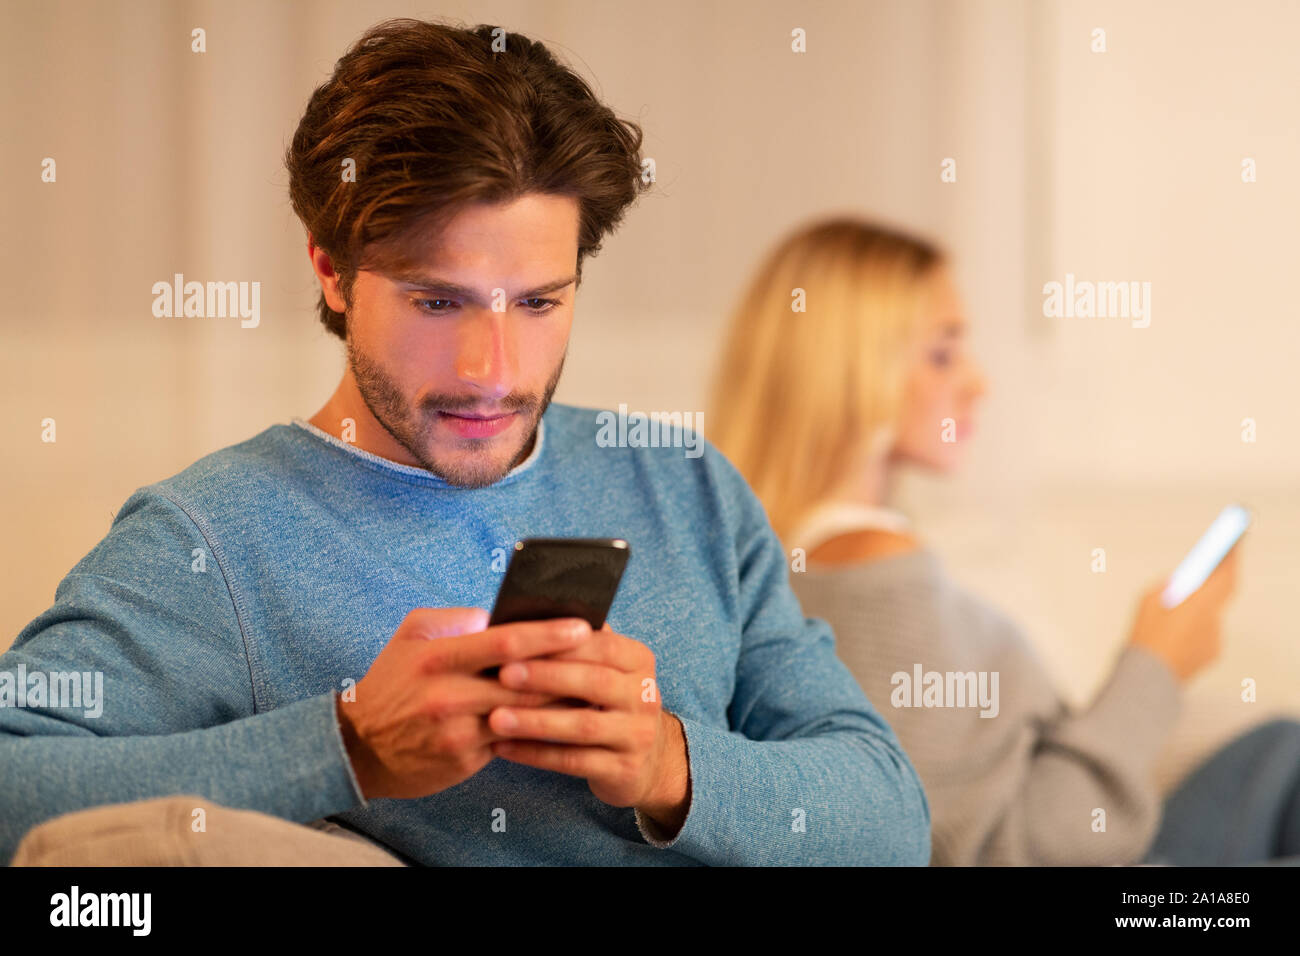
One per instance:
(833, 518)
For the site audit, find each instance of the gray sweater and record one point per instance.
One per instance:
(1024, 785)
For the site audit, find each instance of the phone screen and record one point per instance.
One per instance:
(1201, 561)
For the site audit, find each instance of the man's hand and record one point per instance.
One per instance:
(631, 751)
(419, 721)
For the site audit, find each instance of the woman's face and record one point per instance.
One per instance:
(943, 383)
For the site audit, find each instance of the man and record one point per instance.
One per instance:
(295, 625)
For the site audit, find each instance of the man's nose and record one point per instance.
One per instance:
(486, 353)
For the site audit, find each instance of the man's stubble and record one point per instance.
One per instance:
(389, 407)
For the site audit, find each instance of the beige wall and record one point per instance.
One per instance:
(1116, 166)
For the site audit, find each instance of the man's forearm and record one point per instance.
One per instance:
(286, 762)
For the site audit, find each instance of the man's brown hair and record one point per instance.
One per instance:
(436, 117)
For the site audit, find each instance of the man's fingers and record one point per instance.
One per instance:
(471, 694)
(597, 684)
(613, 649)
(574, 725)
(471, 653)
(472, 733)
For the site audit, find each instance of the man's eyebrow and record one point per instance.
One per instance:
(433, 284)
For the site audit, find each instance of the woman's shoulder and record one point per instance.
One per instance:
(896, 611)
(865, 544)
(900, 583)
(873, 556)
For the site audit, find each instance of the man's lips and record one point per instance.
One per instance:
(477, 424)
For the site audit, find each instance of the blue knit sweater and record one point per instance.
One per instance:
(229, 604)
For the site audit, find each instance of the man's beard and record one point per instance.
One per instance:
(391, 410)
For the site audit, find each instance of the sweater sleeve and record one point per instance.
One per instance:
(1022, 786)
(1092, 769)
(807, 773)
(165, 702)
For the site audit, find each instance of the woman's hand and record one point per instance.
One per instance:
(1186, 637)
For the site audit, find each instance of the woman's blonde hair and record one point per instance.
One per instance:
(801, 399)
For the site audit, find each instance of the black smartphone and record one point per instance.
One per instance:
(560, 577)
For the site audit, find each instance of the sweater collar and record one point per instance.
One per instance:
(423, 475)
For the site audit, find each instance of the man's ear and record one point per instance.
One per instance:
(323, 266)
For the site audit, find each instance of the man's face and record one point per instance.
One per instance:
(458, 361)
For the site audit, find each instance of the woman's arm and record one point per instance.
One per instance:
(1029, 783)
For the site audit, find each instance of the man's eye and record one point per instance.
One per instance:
(540, 306)
(534, 304)
(429, 305)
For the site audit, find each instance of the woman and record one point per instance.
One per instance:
(845, 360)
